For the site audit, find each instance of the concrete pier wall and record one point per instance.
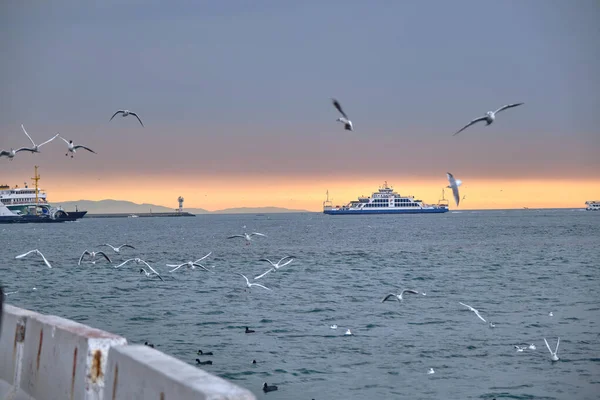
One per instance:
(48, 357)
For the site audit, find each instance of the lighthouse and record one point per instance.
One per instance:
(180, 200)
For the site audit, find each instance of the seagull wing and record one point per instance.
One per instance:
(468, 306)
(124, 262)
(45, 261)
(408, 291)
(4, 153)
(244, 276)
(200, 259)
(258, 234)
(548, 346)
(125, 245)
(507, 107)
(81, 258)
(176, 266)
(235, 236)
(65, 140)
(263, 274)
(454, 187)
(259, 285)
(131, 113)
(202, 266)
(86, 148)
(49, 140)
(285, 263)
(120, 111)
(476, 120)
(386, 298)
(112, 247)
(25, 149)
(480, 317)
(104, 255)
(337, 105)
(151, 269)
(557, 343)
(25, 254)
(30, 139)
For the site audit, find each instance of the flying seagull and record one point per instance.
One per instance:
(246, 236)
(126, 113)
(39, 253)
(553, 355)
(36, 147)
(73, 148)
(474, 310)
(344, 118)
(12, 153)
(489, 116)
(148, 274)
(398, 296)
(191, 264)
(93, 255)
(276, 265)
(137, 261)
(454, 185)
(249, 285)
(118, 249)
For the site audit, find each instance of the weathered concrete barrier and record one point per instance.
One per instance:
(48, 357)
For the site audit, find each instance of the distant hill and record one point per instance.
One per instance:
(123, 206)
(256, 210)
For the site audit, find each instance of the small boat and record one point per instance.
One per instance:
(592, 205)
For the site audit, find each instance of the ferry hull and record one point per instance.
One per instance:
(41, 219)
(392, 211)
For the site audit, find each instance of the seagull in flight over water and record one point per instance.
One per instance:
(398, 296)
(126, 113)
(276, 265)
(39, 253)
(553, 355)
(191, 264)
(489, 116)
(344, 118)
(73, 148)
(454, 185)
(246, 236)
(137, 261)
(118, 249)
(36, 147)
(474, 310)
(93, 255)
(148, 274)
(249, 285)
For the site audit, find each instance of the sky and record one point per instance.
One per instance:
(235, 99)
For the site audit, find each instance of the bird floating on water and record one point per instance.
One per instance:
(334, 326)
(36, 147)
(93, 255)
(520, 349)
(398, 296)
(348, 333)
(118, 249)
(553, 354)
(39, 253)
(431, 371)
(276, 265)
(208, 353)
(344, 118)
(125, 114)
(474, 310)
(266, 388)
(72, 148)
(454, 186)
(248, 330)
(489, 117)
(550, 314)
(532, 346)
(203, 362)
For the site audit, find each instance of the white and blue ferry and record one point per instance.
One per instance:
(385, 201)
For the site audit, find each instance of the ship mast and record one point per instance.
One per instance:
(36, 178)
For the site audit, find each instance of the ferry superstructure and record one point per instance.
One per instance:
(592, 205)
(30, 205)
(384, 201)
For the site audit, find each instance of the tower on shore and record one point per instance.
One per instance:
(180, 200)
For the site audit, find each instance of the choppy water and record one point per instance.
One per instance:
(514, 266)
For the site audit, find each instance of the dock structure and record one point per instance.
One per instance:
(49, 357)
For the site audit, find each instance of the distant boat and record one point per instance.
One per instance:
(525, 208)
(133, 216)
(384, 201)
(592, 205)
